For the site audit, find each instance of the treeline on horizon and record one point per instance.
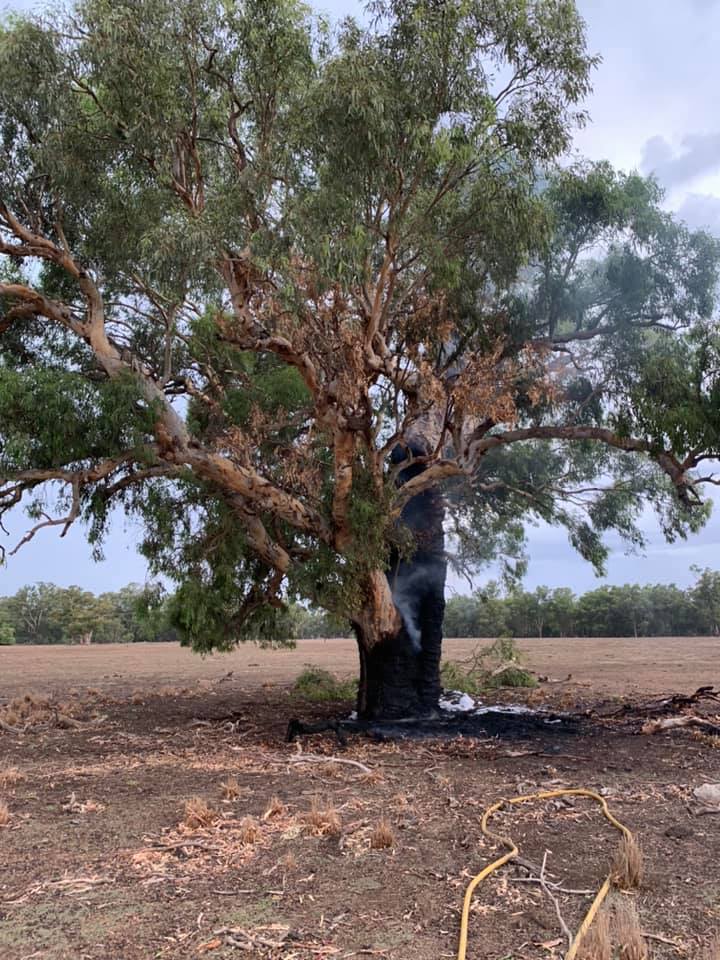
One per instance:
(47, 614)
(631, 610)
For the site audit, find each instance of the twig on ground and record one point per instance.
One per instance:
(555, 886)
(556, 903)
(661, 939)
(183, 843)
(9, 728)
(315, 758)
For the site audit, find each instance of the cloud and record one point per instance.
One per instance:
(701, 211)
(699, 154)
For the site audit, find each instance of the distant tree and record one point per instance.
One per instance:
(31, 612)
(74, 611)
(319, 624)
(706, 601)
(277, 290)
(146, 611)
(561, 613)
(461, 617)
(7, 631)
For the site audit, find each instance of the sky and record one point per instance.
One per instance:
(654, 108)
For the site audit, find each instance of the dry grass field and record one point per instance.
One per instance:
(612, 666)
(151, 809)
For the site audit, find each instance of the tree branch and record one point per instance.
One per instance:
(675, 470)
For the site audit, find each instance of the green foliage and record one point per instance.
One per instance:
(51, 418)
(241, 183)
(320, 686)
(608, 611)
(7, 630)
(456, 676)
(488, 668)
(45, 613)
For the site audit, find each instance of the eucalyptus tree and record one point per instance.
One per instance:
(278, 288)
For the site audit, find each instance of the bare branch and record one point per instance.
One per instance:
(66, 522)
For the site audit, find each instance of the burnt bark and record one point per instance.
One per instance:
(400, 673)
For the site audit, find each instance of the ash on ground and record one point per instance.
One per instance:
(461, 715)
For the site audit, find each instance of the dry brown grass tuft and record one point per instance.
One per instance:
(5, 815)
(12, 716)
(249, 830)
(198, 813)
(383, 835)
(275, 808)
(230, 789)
(628, 932)
(628, 864)
(332, 771)
(597, 945)
(31, 709)
(9, 776)
(322, 821)
(375, 776)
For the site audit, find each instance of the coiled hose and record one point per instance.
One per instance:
(513, 852)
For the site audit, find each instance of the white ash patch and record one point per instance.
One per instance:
(457, 702)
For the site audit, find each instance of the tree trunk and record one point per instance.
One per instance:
(400, 674)
(400, 666)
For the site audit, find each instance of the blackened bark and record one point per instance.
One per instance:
(400, 677)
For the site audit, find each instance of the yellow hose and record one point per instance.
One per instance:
(513, 852)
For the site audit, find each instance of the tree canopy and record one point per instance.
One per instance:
(247, 255)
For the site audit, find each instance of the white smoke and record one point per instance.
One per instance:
(407, 588)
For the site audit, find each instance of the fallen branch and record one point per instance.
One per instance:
(664, 705)
(75, 881)
(314, 758)
(64, 883)
(671, 723)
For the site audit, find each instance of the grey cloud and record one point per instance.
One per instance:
(699, 154)
(701, 211)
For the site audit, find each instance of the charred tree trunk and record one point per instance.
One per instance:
(400, 670)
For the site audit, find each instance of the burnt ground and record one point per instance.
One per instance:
(98, 859)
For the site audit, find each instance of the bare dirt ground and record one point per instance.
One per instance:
(612, 666)
(100, 860)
